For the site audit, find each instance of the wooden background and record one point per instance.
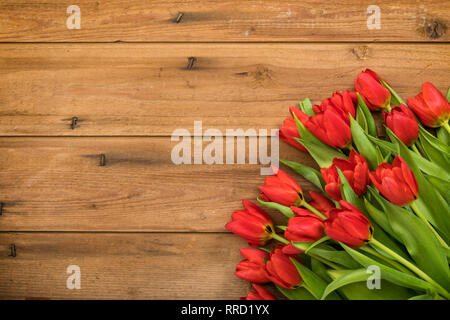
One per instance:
(139, 226)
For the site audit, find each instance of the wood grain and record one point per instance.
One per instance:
(229, 20)
(54, 184)
(121, 266)
(146, 89)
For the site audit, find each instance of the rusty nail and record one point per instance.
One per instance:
(74, 122)
(179, 17)
(102, 160)
(12, 247)
(191, 62)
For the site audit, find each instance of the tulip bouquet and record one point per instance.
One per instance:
(382, 213)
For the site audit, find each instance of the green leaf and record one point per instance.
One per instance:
(371, 126)
(361, 119)
(320, 269)
(322, 153)
(419, 240)
(360, 291)
(421, 297)
(430, 202)
(443, 135)
(435, 142)
(307, 107)
(388, 273)
(363, 144)
(310, 174)
(448, 95)
(442, 186)
(352, 276)
(296, 294)
(378, 215)
(436, 150)
(273, 205)
(328, 253)
(397, 99)
(347, 192)
(313, 283)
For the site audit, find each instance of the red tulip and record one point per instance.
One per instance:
(396, 182)
(331, 126)
(348, 225)
(403, 123)
(259, 294)
(253, 224)
(252, 268)
(305, 226)
(355, 170)
(288, 132)
(374, 94)
(281, 271)
(321, 203)
(430, 106)
(282, 189)
(341, 102)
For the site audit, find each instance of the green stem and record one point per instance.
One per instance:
(313, 210)
(279, 238)
(447, 127)
(414, 148)
(393, 263)
(416, 209)
(411, 267)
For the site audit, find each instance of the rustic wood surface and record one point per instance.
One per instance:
(229, 20)
(146, 89)
(139, 226)
(121, 265)
(58, 184)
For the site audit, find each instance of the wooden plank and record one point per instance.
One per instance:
(230, 20)
(54, 184)
(146, 89)
(121, 266)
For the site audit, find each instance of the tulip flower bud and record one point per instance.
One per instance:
(288, 132)
(355, 170)
(330, 125)
(403, 123)
(373, 93)
(281, 271)
(343, 102)
(282, 189)
(396, 182)
(252, 268)
(348, 225)
(252, 224)
(430, 106)
(320, 203)
(305, 226)
(260, 293)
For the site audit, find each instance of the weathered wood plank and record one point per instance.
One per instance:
(230, 20)
(145, 89)
(121, 266)
(54, 184)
